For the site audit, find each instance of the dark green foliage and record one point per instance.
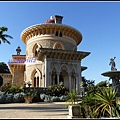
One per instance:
(31, 93)
(105, 100)
(116, 110)
(56, 90)
(89, 99)
(3, 37)
(1, 81)
(18, 97)
(2, 97)
(91, 89)
(13, 93)
(88, 106)
(8, 88)
(55, 99)
(36, 98)
(9, 98)
(37, 91)
(102, 84)
(48, 98)
(102, 103)
(72, 98)
(4, 68)
(87, 82)
(5, 87)
(15, 89)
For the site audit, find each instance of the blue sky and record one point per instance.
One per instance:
(98, 22)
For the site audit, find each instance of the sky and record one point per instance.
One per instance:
(98, 22)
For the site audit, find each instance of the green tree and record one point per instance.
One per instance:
(106, 100)
(102, 84)
(87, 82)
(88, 106)
(4, 68)
(3, 37)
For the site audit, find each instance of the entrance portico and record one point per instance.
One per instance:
(62, 65)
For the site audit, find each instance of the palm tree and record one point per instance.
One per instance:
(4, 36)
(106, 100)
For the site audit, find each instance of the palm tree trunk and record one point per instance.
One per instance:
(110, 110)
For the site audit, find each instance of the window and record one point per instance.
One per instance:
(58, 45)
(36, 79)
(60, 34)
(56, 34)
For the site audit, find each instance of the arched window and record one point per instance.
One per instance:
(35, 49)
(56, 34)
(36, 79)
(58, 45)
(35, 53)
(60, 34)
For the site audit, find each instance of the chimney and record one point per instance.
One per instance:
(58, 19)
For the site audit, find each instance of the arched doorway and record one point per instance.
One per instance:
(54, 78)
(64, 76)
(61, 79)
(36, 78)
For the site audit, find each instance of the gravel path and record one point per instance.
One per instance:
(39, 110)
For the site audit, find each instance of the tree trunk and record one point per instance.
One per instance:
(110, 110)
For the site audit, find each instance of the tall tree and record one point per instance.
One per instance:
(3, 37)
(4, 68)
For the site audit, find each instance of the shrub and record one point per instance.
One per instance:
(15, 89)
(47, 98)
(2, 97)
(42, 96)
(8, 88)
(64, 98)
(5, 87)
(55, 99)
(56, 90)
(19, 97)
(9, 98)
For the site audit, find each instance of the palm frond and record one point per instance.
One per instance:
(8, 36)
(3, 37)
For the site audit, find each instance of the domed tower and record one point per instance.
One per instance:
(54, 45)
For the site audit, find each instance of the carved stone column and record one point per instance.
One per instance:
(50, 79)
(45, 85)
(77, 84)
(69, 81)
(53, 79)
(58, 78)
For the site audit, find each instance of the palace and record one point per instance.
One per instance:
(52, 48)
